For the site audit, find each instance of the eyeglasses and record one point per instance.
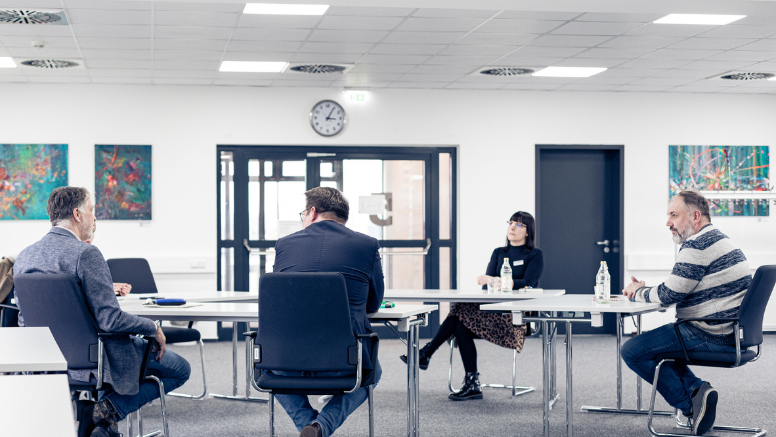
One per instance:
(301, 214)
(515, 224)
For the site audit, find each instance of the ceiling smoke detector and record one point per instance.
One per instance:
(744, 75)
(506, 71)
(51, 64)
(319, 68)
(30, 16)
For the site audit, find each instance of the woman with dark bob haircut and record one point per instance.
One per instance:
(466, 321)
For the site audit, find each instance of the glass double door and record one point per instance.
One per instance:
(404, 197)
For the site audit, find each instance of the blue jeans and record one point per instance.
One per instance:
(677, 382)
(173, 371)
(333, 415)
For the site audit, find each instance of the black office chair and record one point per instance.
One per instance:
(9, 313)
(57, 302)
(748, 331)
(137, 273)
(304, 325)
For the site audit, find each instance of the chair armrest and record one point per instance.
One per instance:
(146, 357)
(115, 334)
(370, 335)
(250, 334)
(706, 319)
(10, 307)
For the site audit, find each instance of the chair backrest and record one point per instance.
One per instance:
(304, 323)
(57, 301)
(752, 308)
(135, 272)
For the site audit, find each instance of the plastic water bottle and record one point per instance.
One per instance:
(506, 276)
(602, 284)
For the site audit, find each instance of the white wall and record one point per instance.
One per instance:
(495, 131)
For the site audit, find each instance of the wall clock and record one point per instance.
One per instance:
(327, 118)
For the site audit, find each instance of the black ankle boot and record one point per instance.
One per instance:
(424, 357)
(471, 388)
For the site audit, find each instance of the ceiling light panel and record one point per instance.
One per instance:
(6, 62)
(703, 19)
(569, 72)
(252, 67)
(278, 9)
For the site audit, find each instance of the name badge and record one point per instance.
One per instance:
(517, 263)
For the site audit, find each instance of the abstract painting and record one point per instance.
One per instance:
(28, 174)
(122, 182)
(722, 168)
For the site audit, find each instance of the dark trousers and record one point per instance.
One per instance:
(463, 336)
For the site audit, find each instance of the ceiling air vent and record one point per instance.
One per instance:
(30, 16)
(744, 75)
(51, 64)
(319, 68)
(506, 71)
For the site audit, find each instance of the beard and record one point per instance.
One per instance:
(86, 231)
(682, 235)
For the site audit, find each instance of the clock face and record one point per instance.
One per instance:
(327, 118)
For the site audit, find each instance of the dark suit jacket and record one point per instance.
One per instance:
(328, 246)
(60, 251)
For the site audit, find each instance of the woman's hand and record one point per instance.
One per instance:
(483, 279)
(121, 289)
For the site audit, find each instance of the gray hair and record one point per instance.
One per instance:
(63, 200)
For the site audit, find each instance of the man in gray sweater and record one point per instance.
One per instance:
(709, 280)
(63, 250)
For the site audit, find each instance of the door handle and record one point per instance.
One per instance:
(605, 244)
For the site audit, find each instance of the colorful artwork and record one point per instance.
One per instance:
(122, 182)
(28, 174)
(722, 168)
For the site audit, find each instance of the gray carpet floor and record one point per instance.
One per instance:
(746, 395)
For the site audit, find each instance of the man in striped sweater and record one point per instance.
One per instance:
(709, 279)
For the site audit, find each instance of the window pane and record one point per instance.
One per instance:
(403, 271)
(259, 264)
(330, 184)
(327, 169)
(283, 201)
(253, 168)
(445, 182)
(226, 187)
(254, 200)
(227, 269)
(268, 169)
(445, 280)
(294, 168)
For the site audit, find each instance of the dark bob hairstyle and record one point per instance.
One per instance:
(530, 227)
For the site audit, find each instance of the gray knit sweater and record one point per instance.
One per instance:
(709, 279)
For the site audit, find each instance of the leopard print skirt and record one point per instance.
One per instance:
(495, 327)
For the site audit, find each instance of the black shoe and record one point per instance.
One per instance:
(84, 410)
(312, 430)
(471, 388)
(704, 408)
(424, 357)
(103, 429)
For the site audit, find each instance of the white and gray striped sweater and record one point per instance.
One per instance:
(709, 279)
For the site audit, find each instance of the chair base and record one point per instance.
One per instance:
(517, 390)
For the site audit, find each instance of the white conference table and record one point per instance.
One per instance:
(571, 305)
(26, 412)
(408, 318)
(30, 349)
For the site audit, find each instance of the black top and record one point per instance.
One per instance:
(527, 267)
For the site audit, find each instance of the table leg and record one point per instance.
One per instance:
(411, 348)
(545, 379)
(248, 362)
(416, 382)
(618, 409)
(569, 386)
(554, 396)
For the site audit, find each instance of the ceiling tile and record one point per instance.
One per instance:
(108, 31)
(269, 46)
(532, 86)
(257, 57)
(185, 73)
(695, 89)
(423, 37)
(539, 16)
(744, 90)
(589, 62)
(654, 63)
(711, 43)
(568, 41)
(55, 42)
(334, 47)
(118, 63)
(546, 52)
(395, 59)
(115, 54)
(681, 54)
(619, 53)
(201, 55)
(764, 66)
(670, 30)
(610, 80)
(192, 32)
(190, 44)
(242, 82)
(246, 76)
(443, 69)
(407, 49)
(474, 86)
(106, 16)
(359, 36)
(292, 75)
(123, 80)
(279, 21)
(618, 17)
(381, 68)
(37, 32)
(198, 7)
(586, 87)
(327, 58)
(647, 42)
(119, 72)
(743, 55)
(664, 81)
(415, 85)
(359, 23)
(57, 79)
(737, 31)
(440, 24)
(304, 84)
(714, 65)
(454, 13)
(359, 84)
(693, 74)
(594, 28)
(185, 65)
(629, 72)
(514, 61)
(371, 77)
(642, 88)
(365, 11)
(210, 19)
(484, 78)
(181, 81)
(508, 39)
(253, 34)
(460, 60)
(474, 50)
(518, 26)
(102, 4)
(49, 72)
(767, 45)
(409, 77)
(20, 52)
(114, 43)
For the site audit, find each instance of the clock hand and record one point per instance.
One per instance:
(329, 117)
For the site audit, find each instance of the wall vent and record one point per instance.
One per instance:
(319, 68)
(51, 64)
(505, 71)
(744, 76)
(33, 16)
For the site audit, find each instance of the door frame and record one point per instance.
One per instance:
(620, 177)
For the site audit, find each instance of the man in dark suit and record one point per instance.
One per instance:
(326, 245)
(63, 250)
